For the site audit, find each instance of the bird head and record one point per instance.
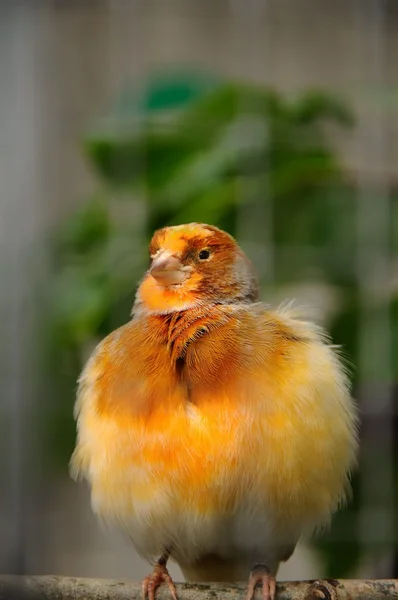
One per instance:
(195, 264)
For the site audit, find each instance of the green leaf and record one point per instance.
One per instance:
(214, 206)
(173, 89)
(124, 146)
(80, 301)
(86, 229)
(149, 154)
(315, 105)
(208, 168)
(394, 337)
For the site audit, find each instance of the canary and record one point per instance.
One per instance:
(213, 430)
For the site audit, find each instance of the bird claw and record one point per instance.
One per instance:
(158, 576)
(261, 574)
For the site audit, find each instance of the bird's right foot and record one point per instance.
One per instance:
(158, 576)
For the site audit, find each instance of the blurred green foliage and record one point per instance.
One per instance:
(191, 148)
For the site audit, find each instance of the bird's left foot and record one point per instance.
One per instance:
(158, 576)
(260, 574)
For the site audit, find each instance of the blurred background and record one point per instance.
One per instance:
(274, 119)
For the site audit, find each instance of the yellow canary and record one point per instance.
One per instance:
(213, 430)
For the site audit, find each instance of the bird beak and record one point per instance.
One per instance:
(166, 269)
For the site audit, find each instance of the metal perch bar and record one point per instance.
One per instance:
(49, 587)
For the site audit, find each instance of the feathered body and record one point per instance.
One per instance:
(209, 426)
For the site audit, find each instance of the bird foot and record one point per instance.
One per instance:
(261, 574)
(158, 576)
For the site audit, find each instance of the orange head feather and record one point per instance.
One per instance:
(195, 264)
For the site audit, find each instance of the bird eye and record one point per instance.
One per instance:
(204, 254)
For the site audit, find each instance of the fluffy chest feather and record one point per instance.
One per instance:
(213, 421)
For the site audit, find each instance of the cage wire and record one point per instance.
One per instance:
(376, 521)
(254, 226)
